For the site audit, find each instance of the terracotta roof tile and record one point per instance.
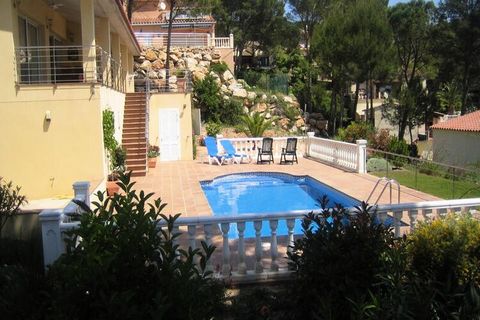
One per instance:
(467, 122)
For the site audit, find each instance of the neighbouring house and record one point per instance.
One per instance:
(189, 29)
(63, 63)
(457, 141)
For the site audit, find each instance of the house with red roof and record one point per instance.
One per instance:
(457, 141)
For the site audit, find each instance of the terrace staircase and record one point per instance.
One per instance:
(134, 133)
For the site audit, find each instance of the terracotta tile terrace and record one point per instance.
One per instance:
(178, 182)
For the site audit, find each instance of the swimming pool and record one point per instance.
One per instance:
(266, 192)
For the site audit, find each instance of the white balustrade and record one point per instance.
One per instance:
(249, 146)
(405, 215)
(159, 40)
(338, 153)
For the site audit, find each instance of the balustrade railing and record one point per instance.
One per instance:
(250, 247)
(68, 64)
(342, 154)
(182, 40)
(249, 146)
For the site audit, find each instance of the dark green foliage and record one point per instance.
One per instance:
(258, 303)
(335, 265)
(208, 98)
(109, 141)
(119, 156)
(213, 128)
(219, 68)
(124, 268)
(274, 82)
(10, 202)
(398, 146)
(356, 131)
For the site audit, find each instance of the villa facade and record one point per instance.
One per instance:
(62, 65)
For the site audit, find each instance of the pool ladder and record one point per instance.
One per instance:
(389, 183)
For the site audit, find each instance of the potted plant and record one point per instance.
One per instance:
(152, 154)
(118, 166)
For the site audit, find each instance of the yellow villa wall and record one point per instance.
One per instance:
(46, 157)
(173, 100)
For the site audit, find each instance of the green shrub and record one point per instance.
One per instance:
(231, 111)
(429, 168)
(355, 131)
(335, 265)
(213, 128)
(10, 202)
(219, 68)
(378, 164)
(207, 98)
(449, 247)
(398, 146)
(124, 268)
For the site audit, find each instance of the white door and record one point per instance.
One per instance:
(169, 133)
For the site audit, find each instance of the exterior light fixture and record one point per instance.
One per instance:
(161, 5)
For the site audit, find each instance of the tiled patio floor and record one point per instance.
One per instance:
(177, 183)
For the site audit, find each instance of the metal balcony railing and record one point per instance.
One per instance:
(38, 65)
(178, 80)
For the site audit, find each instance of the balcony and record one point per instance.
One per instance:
(52, 65)
(183, 40)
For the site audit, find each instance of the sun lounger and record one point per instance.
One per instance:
(231, 152)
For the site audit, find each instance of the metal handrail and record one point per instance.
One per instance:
(389, 183)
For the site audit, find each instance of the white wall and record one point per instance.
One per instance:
(458, 148)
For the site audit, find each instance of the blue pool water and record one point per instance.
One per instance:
(262, 192)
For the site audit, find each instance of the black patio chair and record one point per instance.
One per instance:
(290, 150)
(266, 150)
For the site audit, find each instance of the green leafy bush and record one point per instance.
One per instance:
(207, 98)
(336, 261)
(378, 164)
(356, 131)
(450, 248)
(109, 141)
(10, 202)
(219, 68)
(124, 268)
(213, 128)
(254, 125)
(231, 111)
(398, 146)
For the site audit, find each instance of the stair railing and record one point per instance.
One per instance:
(389, 183)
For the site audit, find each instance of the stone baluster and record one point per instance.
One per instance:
(290, 226)
(273, 245)
(397, 222)
(242, 267)
(257, 224)
(442, 212)
(192, 230)
(208, 240)
(382, 216)
(428, 214)
(413, 216)
(226, 268)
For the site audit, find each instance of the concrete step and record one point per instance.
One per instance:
(137, 122)
(136, 168)
(133, 129)
(133, 162)
(135, 116)
(139, 173)
(131, 141)
(138, 135)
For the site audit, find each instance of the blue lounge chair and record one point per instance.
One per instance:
(212, 149)
(231, 152)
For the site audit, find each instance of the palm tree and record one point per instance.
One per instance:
(254, 125)
(450, 97)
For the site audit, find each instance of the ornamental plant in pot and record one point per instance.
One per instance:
(152, 154)
(118, 166)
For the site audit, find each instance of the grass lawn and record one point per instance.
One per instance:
(437, 186)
